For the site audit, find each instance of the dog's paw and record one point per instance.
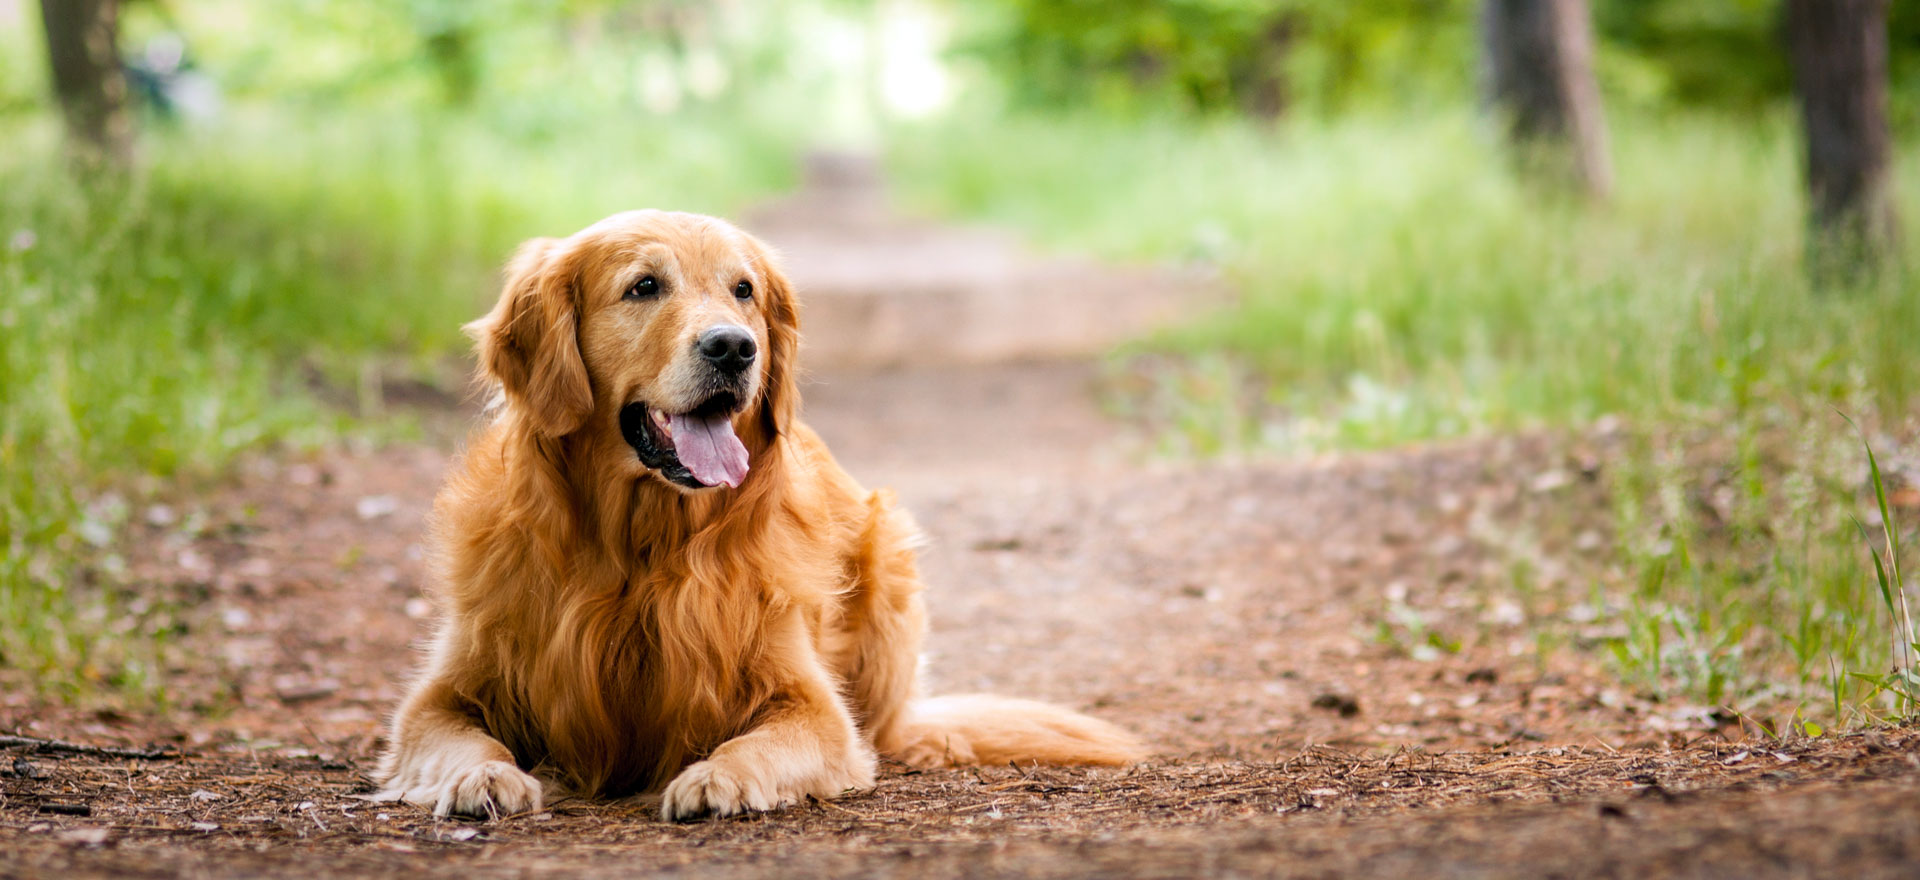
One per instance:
(715, 788)
(726, 786)
(491, 789)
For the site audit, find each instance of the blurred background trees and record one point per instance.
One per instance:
(1539, 63)
(1264, 58)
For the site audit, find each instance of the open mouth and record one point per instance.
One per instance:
(696, 449)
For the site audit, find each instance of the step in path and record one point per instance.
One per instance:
(882, 289)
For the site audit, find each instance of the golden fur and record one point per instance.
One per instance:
(742, 648)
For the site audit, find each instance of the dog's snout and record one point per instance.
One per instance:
(728, 347)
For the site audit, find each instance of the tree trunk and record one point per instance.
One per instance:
(1839, 50)
(1539, 66)
(82, 45)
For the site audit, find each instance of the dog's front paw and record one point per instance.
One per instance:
(714, 787)
(726, 785)
(491, 789)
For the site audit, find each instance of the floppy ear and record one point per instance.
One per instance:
(780, 402)
(529, 343)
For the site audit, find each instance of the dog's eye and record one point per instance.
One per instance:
(642, 289)
(743, 290)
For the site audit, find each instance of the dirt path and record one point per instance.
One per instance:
(1232, 613)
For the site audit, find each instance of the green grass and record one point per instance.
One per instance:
(160, 324)
(1741, 574)
(1901, 683)
(1402, 284)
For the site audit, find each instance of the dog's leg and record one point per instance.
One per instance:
(885, 620)
(802, 743)
(440, 758)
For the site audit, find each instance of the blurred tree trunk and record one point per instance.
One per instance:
(455, 61)
(1539, 57)
(1260, 78)
(1839, 50)
(83, 48)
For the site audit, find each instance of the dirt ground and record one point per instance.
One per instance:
(1322, 652)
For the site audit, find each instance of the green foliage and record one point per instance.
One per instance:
(525, 67)
(1727, 54)
(1722, 53)
(1267, 56)
(1250, 56)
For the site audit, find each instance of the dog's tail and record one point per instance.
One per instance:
(990, 730)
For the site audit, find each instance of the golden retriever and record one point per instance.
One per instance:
(652, 574)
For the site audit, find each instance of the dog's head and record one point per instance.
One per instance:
(670, 334)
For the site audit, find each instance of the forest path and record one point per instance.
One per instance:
(1320, 651)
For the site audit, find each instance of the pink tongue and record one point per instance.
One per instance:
(708, 447)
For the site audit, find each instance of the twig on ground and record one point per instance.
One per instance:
(65, 809)
(54, 745)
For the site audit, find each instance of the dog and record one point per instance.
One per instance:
(652, 576)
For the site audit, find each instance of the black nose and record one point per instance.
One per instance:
(728, 348)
